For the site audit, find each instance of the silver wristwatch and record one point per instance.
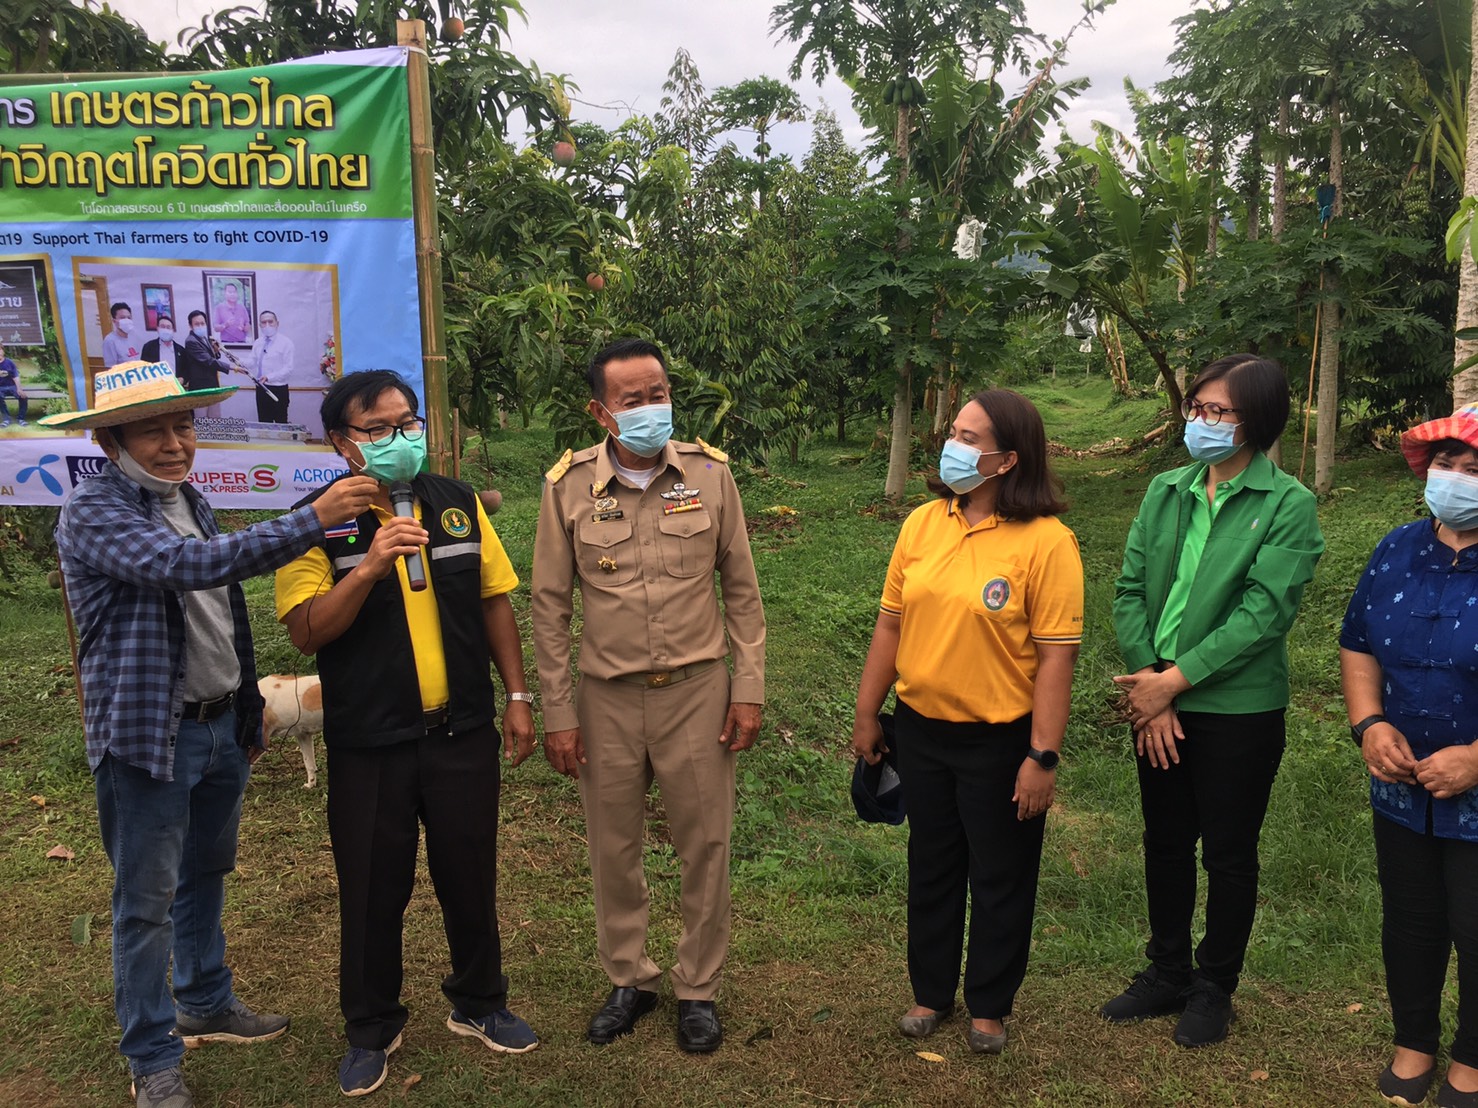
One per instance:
(526, 697)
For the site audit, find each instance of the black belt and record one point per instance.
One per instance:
(437, 717)
(201, 711)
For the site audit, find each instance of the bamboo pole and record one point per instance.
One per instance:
(411, 33)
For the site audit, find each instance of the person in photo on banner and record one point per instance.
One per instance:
(270, 364)
(232, 318)
(407, 608)
(980, 622)
(10, 389)
(1214, 568)
(201, 363)
(639, 524)
(118, 344)
(163, 347)
(171, 711)
(1406, 655)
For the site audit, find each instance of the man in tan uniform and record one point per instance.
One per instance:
(641, 523)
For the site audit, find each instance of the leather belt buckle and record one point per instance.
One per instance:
(437, 717)
(657, 680)
(203, 711)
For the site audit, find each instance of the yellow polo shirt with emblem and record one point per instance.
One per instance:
(310, 575)
(973, 603)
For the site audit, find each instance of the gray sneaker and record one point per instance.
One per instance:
(165, 1089)
(237, 1024)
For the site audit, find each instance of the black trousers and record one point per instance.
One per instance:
(1217, 793)
(963, 834)
(269, 410)
(1429, 901)
(376, 797)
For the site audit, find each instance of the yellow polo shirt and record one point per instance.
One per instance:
(973, 603)
(310, 575)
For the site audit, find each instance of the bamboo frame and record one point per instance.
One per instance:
(411, 33)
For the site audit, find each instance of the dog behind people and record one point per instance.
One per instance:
(294, 707)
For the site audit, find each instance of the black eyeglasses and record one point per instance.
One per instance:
(1211, 413)
(412, 429)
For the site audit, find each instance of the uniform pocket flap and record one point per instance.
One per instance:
(606, 534)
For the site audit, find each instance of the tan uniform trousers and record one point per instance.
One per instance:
(633, 734)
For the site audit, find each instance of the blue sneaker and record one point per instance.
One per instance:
(363, 1071)
(500, 1030)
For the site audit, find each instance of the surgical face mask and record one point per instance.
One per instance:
(645, 430)
(1211, 444)
(959, 467)
(200, 332)
(269, 329)
(394, 459)
(141, 476)
(125, 326)
(1453, 498)
(166, 334)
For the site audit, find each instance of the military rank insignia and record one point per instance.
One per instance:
(681, 499)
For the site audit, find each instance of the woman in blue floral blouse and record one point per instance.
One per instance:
(1409, 666)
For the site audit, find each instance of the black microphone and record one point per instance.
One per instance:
(403, 500)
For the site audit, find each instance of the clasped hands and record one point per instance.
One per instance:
(1151, 701)
(1445, 773)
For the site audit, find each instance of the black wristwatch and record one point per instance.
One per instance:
(1357, 731)
(1047, 759)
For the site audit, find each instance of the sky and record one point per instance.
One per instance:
(618, 53)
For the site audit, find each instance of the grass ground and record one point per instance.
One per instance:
(816, 975)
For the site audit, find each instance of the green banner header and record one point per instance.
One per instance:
(312, 140)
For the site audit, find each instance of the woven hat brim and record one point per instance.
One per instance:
(1416, 444)
(90, 418)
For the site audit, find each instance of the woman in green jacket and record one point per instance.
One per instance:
(1214, 568)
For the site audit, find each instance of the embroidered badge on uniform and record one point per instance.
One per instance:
(995, 594)
(342, 531)
(455, 523)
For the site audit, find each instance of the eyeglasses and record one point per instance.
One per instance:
(1211, 413)
(412, 429)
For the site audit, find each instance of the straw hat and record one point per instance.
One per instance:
(135, 390)
(1416, 444)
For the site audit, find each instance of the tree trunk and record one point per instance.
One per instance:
(1254, 183)
(1213, 190)
(901, 441)
(1329, 329)
(1280, 171)
(1465, 384)
(942, 409)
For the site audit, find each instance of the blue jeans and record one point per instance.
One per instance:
(171, 844)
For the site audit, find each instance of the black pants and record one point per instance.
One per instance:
(1217, 793)
(269, 410)
(375, 799)
(1429, 901)
(963, 834)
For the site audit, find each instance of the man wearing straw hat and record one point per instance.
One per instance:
(171, 711)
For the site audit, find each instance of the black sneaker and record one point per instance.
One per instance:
(1208, 1015)
(1152, 993)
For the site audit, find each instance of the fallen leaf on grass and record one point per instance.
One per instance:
(760, 1036)
(62, 852)
(929, 1056)
(821, 1015)
(82, 929)
(1259, 1075)
(39, 801)
(413, 1079)
(1353, 1008)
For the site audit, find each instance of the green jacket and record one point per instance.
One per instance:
(1261, 552)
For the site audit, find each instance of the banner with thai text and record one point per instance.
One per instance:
(250, 227)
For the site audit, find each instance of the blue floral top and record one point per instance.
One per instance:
(1416, 611)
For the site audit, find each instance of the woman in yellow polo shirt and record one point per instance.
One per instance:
(981, 618)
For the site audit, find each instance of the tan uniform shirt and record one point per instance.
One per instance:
(644, 561)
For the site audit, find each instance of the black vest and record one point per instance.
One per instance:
(371, 693)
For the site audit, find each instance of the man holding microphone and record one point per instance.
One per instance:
(409, 714)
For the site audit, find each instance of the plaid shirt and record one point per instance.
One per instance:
(125, 572)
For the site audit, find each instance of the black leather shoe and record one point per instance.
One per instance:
(619, 1014)
(698, 1028)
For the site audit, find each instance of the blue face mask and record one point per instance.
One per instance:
(645, 430)
(1211, 444)
(959, 467)
(1453, 498)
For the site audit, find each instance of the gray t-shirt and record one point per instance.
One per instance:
(211, 666)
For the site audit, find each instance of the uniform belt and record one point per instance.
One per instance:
(668, 677)
(437, 717)
(200, 711)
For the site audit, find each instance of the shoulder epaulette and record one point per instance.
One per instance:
(712, 451)
(561, 467)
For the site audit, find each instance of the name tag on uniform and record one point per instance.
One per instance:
(602, 517)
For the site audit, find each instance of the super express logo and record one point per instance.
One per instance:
(262, 478)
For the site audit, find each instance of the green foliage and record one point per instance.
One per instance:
(60, 36)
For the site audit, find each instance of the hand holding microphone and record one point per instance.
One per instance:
(402, 503)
